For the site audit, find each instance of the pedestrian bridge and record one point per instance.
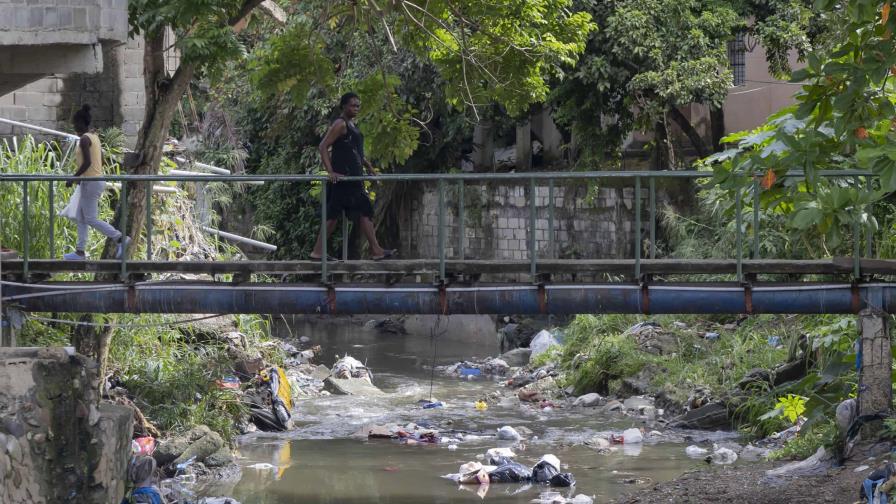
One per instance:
(455, 285)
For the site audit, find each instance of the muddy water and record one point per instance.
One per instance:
(320, 462)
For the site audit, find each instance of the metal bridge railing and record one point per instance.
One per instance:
(444, 179)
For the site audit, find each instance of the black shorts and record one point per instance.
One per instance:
(348, 197)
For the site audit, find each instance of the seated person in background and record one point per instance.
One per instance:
(142, 474)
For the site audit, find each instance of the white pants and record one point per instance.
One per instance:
(88, 210)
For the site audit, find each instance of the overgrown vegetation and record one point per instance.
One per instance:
(168, 371)
(600, 352)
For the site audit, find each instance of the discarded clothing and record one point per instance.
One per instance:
(349, 367)
(271, 402)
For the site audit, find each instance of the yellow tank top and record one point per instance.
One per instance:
(96, 156)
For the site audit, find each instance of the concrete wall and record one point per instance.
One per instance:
(43, 22)
(45, 37)
(750, 105)
(56, 444)
(115, 95)
(58, 54)
(598, 225)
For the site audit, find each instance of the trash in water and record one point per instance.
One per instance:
(481, 405)
(464, 371)
(557, 498)
(433, 404)
(508, 433)
(498, 456)
(452, 447)
(562, 480)
(632, 436)
(546, 468)
(722, 456)
(506, 470)
(390, 469)
(510, 472)
(349, 367)
(695, 451)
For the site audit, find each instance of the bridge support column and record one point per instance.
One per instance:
(7, 332)
(875, 371)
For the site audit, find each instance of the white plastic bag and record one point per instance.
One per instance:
(71, 210)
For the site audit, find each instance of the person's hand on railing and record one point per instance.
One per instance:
(69, 183)
(334, 177)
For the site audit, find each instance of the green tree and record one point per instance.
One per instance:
(503, 51)
(843, 119)
(648, 58)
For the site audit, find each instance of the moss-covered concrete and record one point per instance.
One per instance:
(56, 444)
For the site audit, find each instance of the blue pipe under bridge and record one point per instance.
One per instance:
(284, 298)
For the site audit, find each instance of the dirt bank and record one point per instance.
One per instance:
(749, 483)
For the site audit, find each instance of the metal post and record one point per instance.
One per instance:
(652, 217)
(755, 251)
(149, 221)
(875, 388)
(637, 230)
(323, 232)
(869, 234)
(551, 244)
(461, 231)
(856, 238)
(344, 237)
(738, 218)
(51, 195)
(123, 201)
(441, 230)
(26, 231)
(533, 245)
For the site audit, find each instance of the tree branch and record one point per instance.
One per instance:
(689, 130)
(245, 9)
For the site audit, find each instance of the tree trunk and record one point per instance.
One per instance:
(689, 130)
(661, 157)
(717, 123)
(162, 96)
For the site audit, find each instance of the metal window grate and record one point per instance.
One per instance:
(736, 58)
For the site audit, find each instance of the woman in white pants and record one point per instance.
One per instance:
(89, 159)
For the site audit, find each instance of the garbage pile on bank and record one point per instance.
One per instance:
(472, 369)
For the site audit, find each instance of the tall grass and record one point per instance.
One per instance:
(169, 376)
(28, 156)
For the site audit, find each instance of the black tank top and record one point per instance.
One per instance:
(348, 151)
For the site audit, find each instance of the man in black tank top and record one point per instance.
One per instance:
(342, 153)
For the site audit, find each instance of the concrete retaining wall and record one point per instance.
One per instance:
(43, 22)
(595, 222)
(56, 444)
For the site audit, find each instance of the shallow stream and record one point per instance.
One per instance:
(320, 462)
